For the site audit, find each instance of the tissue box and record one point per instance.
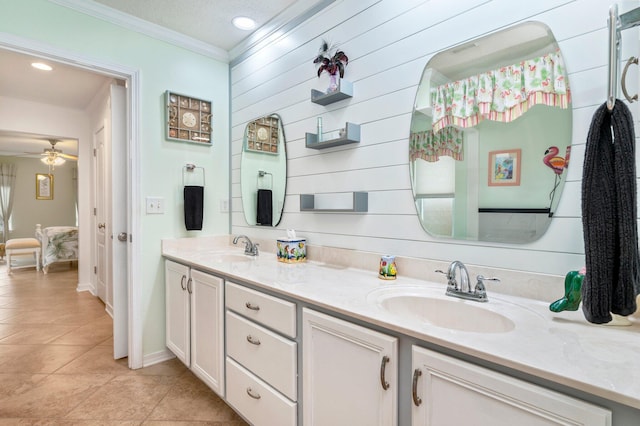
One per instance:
(292, 250)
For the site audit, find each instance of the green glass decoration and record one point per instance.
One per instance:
(572, 294)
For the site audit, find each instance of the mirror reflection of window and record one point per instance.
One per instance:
(506, 92)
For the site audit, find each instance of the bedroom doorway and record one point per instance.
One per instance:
(129, 301)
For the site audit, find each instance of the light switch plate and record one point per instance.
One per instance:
(155, 205)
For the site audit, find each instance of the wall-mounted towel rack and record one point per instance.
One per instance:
(618, 23)
(262, 174)
(186, 174)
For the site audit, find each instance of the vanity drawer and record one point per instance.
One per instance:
(270, 311)
(257, 401)
(270, 356)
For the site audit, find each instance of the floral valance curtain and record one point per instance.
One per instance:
(429, 145)
(503, 94)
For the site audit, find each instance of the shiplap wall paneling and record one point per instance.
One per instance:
(388, 44)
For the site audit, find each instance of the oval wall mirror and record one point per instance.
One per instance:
(491, 137)
(263, 171)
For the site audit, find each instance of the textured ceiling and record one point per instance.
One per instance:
(205, 20)
(208, 21)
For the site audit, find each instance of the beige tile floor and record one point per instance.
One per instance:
(57, 368)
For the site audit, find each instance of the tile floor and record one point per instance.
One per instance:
(56, 364)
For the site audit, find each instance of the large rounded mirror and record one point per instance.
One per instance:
(491, 136)
(263, 171)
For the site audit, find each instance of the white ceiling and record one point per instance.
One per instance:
(205, 20)
(208, 21)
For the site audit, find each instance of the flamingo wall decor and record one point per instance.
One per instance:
(557, 164)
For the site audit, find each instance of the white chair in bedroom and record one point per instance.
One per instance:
(21, 247)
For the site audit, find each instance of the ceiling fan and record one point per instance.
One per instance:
(55, 157)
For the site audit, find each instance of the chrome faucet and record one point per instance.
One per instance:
(250, 248)
(479, 293)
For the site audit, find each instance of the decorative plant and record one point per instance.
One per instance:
(331, 59)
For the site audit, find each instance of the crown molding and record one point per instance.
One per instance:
(97, 10)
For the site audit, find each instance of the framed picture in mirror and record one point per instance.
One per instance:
(504, 167)
(262, 135)
(44, 187)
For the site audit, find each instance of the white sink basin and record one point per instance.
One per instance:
(430, 305)
(231, 258)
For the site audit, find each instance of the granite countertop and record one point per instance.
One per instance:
(560, 347)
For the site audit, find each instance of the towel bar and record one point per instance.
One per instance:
(616, 24)
(191, 168)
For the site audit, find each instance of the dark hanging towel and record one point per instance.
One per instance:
(612, 280)
(265, 207)
(193, 207)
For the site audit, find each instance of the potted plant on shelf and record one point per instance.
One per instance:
(333, 61)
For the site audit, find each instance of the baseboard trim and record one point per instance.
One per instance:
(86, 287)
(157, 357)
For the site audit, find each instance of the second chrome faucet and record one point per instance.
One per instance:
(463, 290)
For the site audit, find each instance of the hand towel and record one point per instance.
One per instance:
(265, 207)
(609, 214)
(193, 207)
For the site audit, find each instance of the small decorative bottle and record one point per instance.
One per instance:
(388, 269)
(319, 129)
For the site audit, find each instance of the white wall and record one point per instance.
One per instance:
(161, 66)
(389, 43)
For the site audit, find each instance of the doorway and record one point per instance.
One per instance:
(127, 186)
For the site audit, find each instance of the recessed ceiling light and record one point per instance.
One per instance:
(41, 66)
(244, 23)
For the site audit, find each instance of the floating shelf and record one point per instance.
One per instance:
(344, 91)
(345, 202)
(350, 134)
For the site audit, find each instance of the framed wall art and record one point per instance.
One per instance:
(44, 187)
(188, 119)
(263, 135)
(504, 167)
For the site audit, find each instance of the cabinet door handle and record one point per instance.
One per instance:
(416, 399)
(253, 341)
(252, 394)
(383, 366)
(182, 280)
(249, 305)
(189, 281)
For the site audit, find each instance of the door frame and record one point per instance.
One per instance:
(132, 77)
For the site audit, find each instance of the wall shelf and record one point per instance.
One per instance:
(344, 202)
(344, 91)
(350, 134)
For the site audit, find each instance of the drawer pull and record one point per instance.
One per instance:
(252, 394)
(253, 341)
(182, 280)
(252, 307)
(383, 366)
(416, 399)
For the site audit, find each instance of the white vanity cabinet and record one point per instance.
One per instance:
(448, 391)
(195, 321)
(261, 356)
(349, 373)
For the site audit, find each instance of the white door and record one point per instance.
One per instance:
(119, 226)
(207, 329)
(450, 392)
(101, 253)
(177, 310)
(349, 373)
